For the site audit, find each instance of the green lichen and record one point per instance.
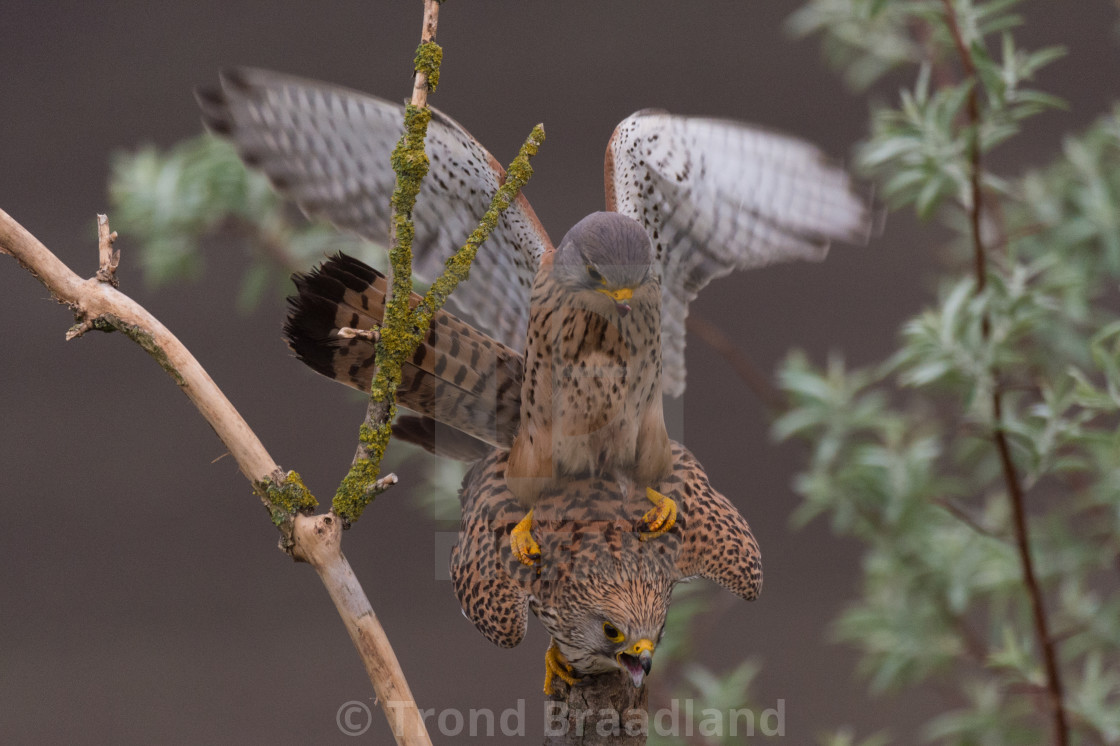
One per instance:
(288, 498)
(429, 55)
(355, 492)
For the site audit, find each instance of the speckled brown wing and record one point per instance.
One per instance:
(459, 377)
(593, 561)
(493, 599)
(718, 543)
(327, 148)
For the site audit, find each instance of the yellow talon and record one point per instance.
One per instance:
(556, 665)
(521, 540)
(661, 517)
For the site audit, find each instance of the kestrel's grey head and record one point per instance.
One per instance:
(606, 252)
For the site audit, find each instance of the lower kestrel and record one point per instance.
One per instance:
(601, 591)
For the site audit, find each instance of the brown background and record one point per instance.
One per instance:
(141, 595)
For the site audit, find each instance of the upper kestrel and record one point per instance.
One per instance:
(601, 317)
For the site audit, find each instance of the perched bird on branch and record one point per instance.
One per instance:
(556, 372)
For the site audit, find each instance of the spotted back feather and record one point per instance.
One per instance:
(592, 558)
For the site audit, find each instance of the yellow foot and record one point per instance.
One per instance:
(521, 540)
(661, 517)
(555, 665)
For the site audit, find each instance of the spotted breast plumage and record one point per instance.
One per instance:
(556, 373)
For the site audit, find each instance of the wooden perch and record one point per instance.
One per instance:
(607, 709)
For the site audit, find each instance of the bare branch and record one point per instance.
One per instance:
(347, 332)
(110, 257)
(98, 305)
(319, 541)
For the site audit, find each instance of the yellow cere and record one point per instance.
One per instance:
(640, 647)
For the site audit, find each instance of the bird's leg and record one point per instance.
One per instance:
(556, 665)
(521, 540)
(661, 517)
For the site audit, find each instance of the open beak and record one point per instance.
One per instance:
(636, 660)
(620, 297)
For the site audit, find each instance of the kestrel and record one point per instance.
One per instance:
(601, 317)
(603, 593)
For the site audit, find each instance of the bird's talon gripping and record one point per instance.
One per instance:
(661, 517)
(555, 665)
(521, 540)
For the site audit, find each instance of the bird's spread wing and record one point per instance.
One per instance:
(718, 543)
(327, 148)
(495, 601)
(718, 195)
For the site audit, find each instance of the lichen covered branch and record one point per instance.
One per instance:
(404, 328)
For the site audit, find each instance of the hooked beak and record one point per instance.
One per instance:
(637, 660)
(619, 296)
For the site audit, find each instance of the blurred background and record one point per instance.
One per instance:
(142, 598)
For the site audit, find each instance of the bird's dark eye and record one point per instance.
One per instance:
(594, 274)
(612, 632)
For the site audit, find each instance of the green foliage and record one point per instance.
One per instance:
(169, 201)
(905, 456)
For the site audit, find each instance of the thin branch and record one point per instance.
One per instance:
(110, 257)
(754, 378)
(975, 175)
(999, 435)
(1038, 607)
(410, 164)
(961, 514)
(314, 539)
(427, 70)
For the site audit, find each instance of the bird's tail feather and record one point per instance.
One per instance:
(465, 386)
